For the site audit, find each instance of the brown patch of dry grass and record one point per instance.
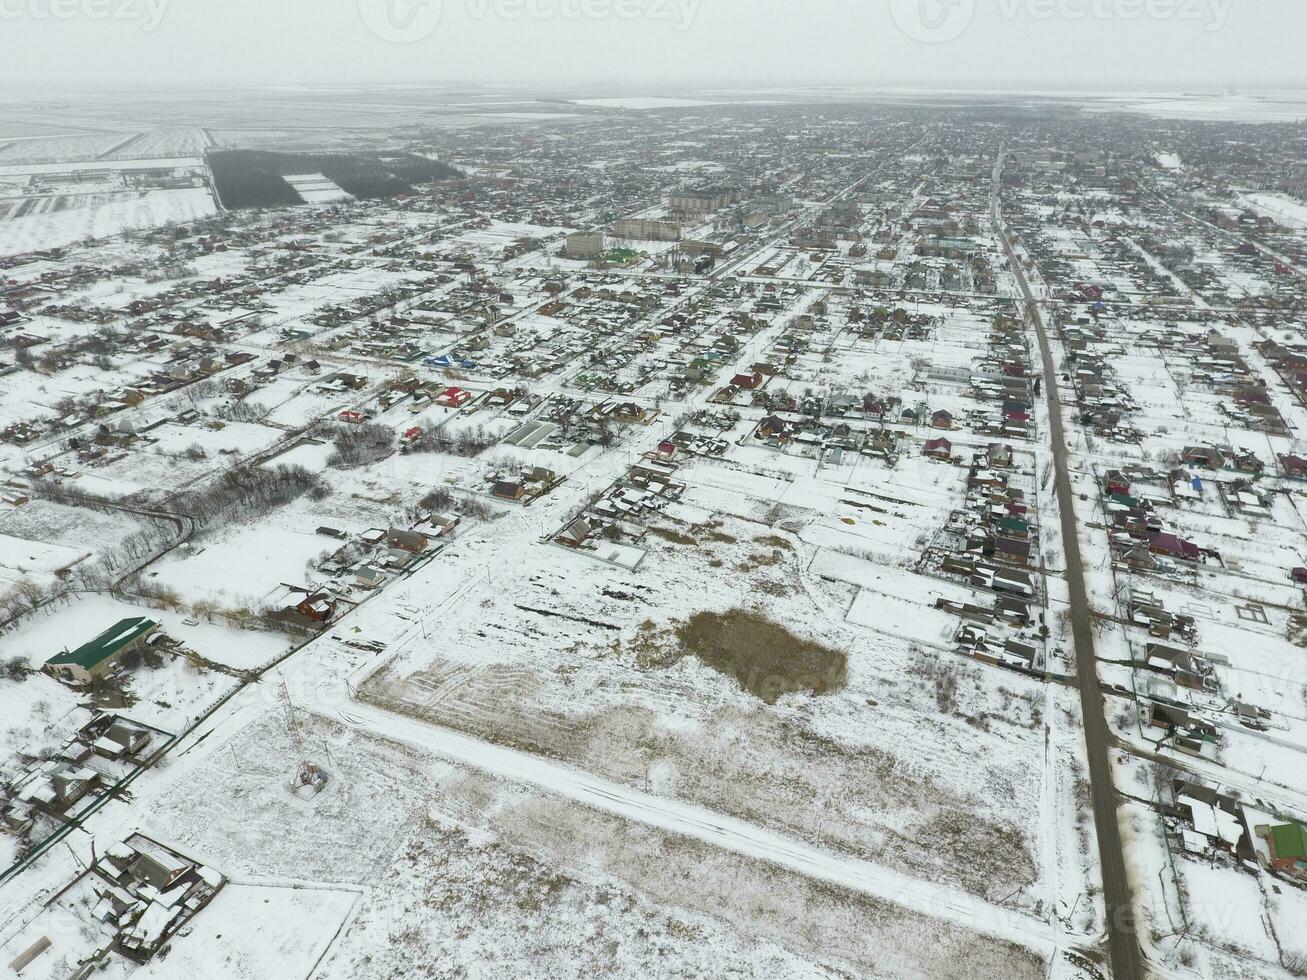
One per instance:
(766, 658)
(760, 560)
(673, 536)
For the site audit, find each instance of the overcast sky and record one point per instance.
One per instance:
(1051, 44)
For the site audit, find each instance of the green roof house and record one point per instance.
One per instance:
(1013, 527)
(95, 658)
(1289, 849)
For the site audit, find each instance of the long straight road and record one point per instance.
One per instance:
(1122, 937)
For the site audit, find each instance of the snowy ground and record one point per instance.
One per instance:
(124, 213)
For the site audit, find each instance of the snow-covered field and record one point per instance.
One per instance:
(126, 212)
(1284, 209)
(317, 189)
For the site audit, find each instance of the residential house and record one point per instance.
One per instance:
(576, 534)
(1163, 543)
(1212, 818)
(773, 427)
(369, 577)
(445, 524)
(508, 490)
(318, 607)
(938, 449)
(1288, 848)
(1294, 466)
(453, 398)
(1205, 456)
(413, 542)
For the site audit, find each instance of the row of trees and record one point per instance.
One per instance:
(361, 445)
(249, 491)
(166, 597)
(243, 410)
(465, 442)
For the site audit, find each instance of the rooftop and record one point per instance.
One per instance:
(106, 645)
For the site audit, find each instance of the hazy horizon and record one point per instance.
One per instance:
(1025, 45)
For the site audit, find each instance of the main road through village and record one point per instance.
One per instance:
(1122, 937)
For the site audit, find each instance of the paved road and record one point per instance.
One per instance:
(1122, 937)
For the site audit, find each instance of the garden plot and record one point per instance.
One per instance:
(1276, 551)
(501, 233)
(252, 931)
(345, 286)
(39, 713)
(892, 600)
(220, 568)
(141, 472)
(45, 520)
(889, 541)
(72, 532)
(41, 716)
(244, 438)
(882, 364)
(342, 836)
(40, 561)
(583, 663)
(312, 454)
(863, 508)
(1226, 906)
(299, 408)
(217, 565)
(903, 617)
(1284, 209)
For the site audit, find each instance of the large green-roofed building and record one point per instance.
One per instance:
(94, 658)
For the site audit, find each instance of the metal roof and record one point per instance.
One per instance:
(107, 644)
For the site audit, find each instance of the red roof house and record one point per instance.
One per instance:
(453, 398)
(938, 448)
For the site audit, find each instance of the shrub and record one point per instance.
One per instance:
(439, 499)
(16, 669)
